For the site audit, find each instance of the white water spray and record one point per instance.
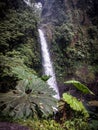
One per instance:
(33, 4)
(47, 64)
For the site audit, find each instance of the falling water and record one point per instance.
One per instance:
(47, 64)
(33, 5)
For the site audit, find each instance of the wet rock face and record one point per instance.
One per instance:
(88, 7)
(57, 11)
(53, 11)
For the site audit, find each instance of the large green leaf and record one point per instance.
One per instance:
(32, 96)
(75, 104)
(80, 86)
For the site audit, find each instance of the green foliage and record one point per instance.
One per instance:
(64, 35)
(32, 97)
(80, 86)
(93, 32)
(73, 124)
(41, 124)
(45, 77)
(7, 80)
(76, 124)
(15, 30)
(94, 124)
(74, 47)
(75, 104)
(18, 43)
(29, 54)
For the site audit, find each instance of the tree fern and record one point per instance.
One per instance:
(31, 97)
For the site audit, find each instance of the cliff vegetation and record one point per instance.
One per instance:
(71, 29)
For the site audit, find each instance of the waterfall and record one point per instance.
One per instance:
(33, 5)
(28, 2)
(47, 64)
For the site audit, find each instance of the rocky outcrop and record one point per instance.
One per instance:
(53, 12)
(59, 11)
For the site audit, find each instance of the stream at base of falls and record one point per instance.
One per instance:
(47, 64)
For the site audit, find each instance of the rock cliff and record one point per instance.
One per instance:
(72, 31)
(60, 11)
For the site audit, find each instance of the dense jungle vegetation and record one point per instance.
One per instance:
(25, 97)
(75, 53)
(18, 42)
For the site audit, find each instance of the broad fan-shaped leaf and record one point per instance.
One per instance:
(32, 97)
(80, 86)
(75, 104)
